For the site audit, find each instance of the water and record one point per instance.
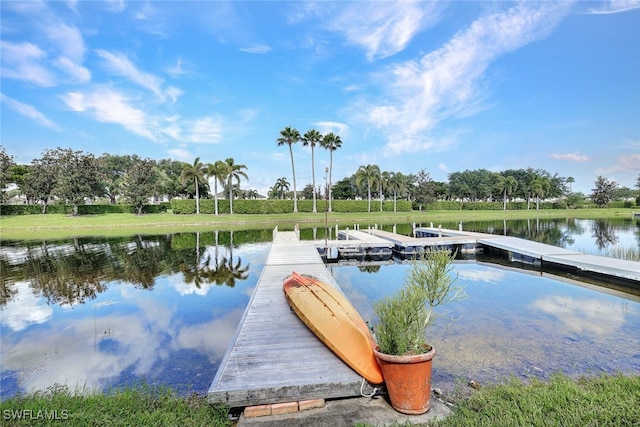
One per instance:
(96, 313)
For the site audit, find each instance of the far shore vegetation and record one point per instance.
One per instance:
(51, 226)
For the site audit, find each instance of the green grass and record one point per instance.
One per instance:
(138, 406)
(61, 226)
(607, 400)
(599, 401)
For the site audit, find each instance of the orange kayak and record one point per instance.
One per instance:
(332, 318)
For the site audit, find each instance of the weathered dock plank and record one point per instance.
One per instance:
(274, 357)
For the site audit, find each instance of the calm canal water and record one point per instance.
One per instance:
(97, 313)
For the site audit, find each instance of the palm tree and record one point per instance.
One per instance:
(311, 138)
(570, 180)
(290, 136)
(368, 174)
(252, 194)
(233, 171)
(331, 142)
(217, 171)
(539, 188)
(193, 172)
(510, 186)
(281, 186)
(396, 182)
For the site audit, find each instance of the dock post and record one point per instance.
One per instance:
(394, 229)
(431, 224)
(275, 231)
(460, 226)
(346, 233)
(439, 230)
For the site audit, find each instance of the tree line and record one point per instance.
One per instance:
(73, 177)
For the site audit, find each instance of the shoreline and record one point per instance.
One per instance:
(28, 227)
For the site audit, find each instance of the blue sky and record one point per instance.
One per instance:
(444, 86)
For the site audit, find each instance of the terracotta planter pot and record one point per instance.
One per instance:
(408, 380)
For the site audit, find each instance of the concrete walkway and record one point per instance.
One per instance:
(347, 412)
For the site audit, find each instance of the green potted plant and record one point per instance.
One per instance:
(402, 351)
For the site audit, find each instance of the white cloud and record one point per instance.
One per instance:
(615, 6)
(256, 48)
(491, 276)
(79, 73)
(204, 130)
(628, 163)
(448, 82)
(178, 68)
(28, 111)
(180, 153)
(582, 315)
(21, 61)
(207, 130)
(338, 128)
(25, 309)
(68, 40)
(119, 64)
(109, 106)
(386, 27)
(574, 157)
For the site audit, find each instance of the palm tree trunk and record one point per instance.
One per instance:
(215, 194)
(330, 170)
(395, 196)
(230, 185)
(195, 179)
(313, 179)
(369, 196)
(293, 170)
(504, 200)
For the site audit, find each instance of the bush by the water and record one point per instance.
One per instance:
(82, 209)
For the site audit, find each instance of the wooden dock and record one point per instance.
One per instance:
(274, 357)
(528, 251)
(407, 245)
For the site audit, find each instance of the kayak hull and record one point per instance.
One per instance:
(334, 320)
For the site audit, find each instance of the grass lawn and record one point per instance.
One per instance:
(612, 400)
(61, 226)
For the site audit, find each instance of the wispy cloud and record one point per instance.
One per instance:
(119, 64)
(28, 111)
(448, 82)
(256, 48)
(178, 69)
(574, 157)
(204, 130)
(180, 153)
(615, 6)
(22, 61)
(107, 105)
(627, 163)
(338, 128)
(61, 45)
(79, 73)
(387, 26)
(69, 42)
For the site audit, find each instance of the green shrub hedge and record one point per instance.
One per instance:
(82, 209)
(275, 206)
(486, 206)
